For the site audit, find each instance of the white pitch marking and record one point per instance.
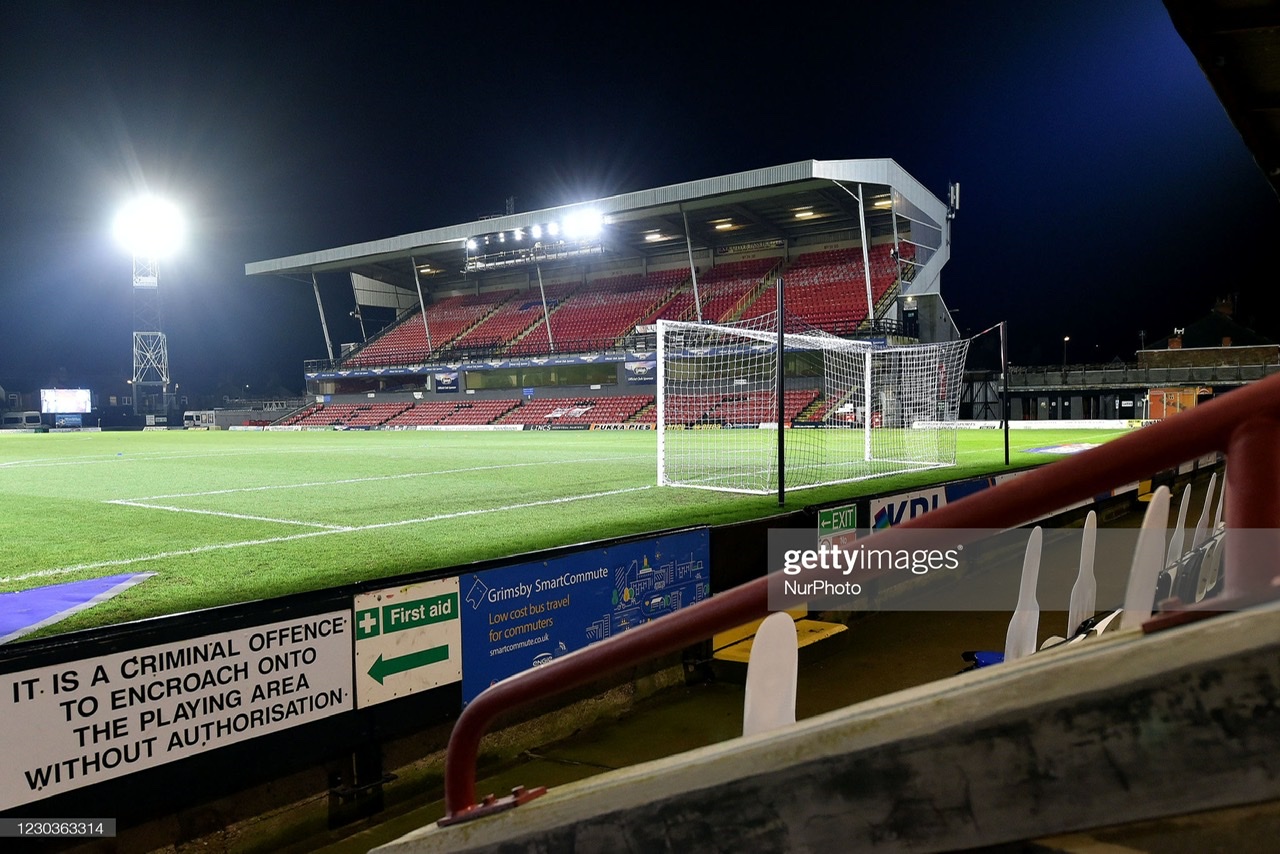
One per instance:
(32, 463)
(45, 573)
(371, 479)
(1013, 445)
(230, 515)
(150, 456)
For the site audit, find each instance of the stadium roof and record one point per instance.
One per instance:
(1237, 43)
(808, 198)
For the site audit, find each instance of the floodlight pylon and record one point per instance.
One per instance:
(150, 348)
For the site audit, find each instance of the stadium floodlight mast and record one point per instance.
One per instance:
(150, 228)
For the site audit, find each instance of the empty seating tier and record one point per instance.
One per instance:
(725, 286)
(406, 342)
(828, 289)
(825, 289)
(596, 316)
(518, 314)
(361, 415)
(748, 407)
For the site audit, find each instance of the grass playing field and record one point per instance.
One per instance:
(226, 517)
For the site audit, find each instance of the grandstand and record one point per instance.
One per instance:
(519, 307)
(826, 291)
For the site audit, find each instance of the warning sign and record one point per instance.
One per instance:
(82, 722)
(408, 639)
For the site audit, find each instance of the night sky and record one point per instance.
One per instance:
(1104, 188)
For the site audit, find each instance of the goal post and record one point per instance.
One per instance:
(848, 406)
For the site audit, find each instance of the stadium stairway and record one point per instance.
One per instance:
(812, 411)
(882, 305)
(678, 305)
(512, 320)
(744, 305)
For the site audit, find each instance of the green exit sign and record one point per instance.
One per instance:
(837, 520)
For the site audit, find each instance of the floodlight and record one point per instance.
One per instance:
(471, 245)
(583, 224)
(149, 227)
(553, 228)
(536, 231)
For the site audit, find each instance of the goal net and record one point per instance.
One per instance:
(849, 406)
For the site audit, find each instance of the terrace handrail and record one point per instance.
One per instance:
(1244, 424)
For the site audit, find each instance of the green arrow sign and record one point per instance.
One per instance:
(836, 520)
(383, 668)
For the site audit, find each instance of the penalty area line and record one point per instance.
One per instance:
(227, 515)
(214, 547)
(369, 479)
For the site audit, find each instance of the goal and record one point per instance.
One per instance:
(847, 407)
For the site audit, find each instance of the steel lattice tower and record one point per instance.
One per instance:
(150, 349)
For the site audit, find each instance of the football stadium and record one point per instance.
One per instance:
(464, 414)
(616, 402)
(688, 518)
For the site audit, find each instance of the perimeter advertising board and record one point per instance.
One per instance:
(891, 510)
(526, 615)
(82, 722)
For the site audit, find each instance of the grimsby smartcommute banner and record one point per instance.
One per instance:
(526, 615)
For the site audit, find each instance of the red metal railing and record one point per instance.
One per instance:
(1244, 424)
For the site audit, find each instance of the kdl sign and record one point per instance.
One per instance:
(887, 512)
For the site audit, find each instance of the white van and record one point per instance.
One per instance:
(199, 419)
(20, 420)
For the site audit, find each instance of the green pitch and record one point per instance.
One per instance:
(228, 517)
